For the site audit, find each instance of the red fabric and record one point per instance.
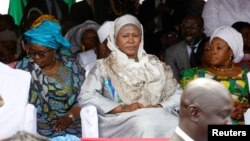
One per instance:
(124, 139)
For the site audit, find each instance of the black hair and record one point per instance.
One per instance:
(240, 25)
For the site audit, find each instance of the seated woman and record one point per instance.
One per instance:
(77, 37)
(135, 93)
(226, 49)
(55, 82)
(84, 42)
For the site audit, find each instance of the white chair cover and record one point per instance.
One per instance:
(89, 120)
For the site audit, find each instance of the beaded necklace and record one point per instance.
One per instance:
(222, 69)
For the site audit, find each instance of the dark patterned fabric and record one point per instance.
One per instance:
(54, 96)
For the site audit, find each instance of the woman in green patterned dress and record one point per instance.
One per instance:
(56, 81)
(225, 49)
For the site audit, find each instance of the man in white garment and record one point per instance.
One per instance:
(16, 113)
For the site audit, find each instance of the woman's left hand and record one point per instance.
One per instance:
(62, 123)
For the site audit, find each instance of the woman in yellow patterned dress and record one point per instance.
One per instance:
(225, 49)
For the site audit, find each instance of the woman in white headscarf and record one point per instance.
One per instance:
(84, 40)
(75, 35)
(135, 93)
(225, 49)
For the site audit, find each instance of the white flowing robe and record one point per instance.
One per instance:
(145, 122)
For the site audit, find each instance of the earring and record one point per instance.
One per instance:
(83, 48)
(231, 58)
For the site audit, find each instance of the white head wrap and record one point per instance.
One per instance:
(74, 34)
(233, 39)
(103, 31)
(124, 20)
(118, 24)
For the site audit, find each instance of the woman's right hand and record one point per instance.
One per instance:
(132, 107)
(62, 123)
(127, 108)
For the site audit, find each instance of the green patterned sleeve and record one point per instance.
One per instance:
(187, 76)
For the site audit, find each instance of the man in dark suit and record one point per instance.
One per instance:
(186, 54)
(204, 102)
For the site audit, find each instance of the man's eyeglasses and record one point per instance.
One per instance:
(190, 26)
(40, 54)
